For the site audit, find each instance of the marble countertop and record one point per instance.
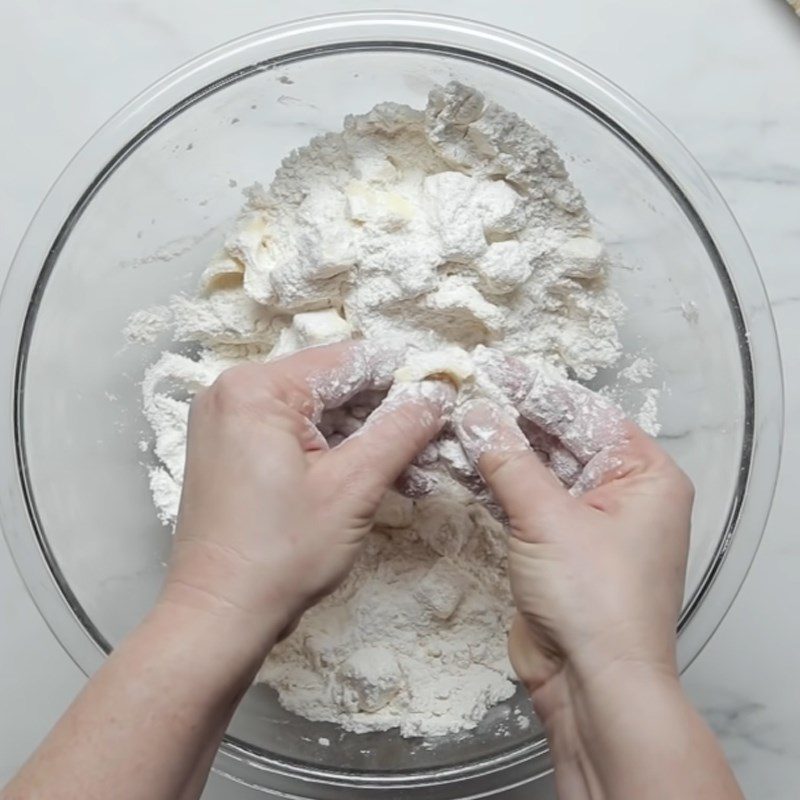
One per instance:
(723, 76)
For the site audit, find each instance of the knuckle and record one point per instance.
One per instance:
(354, 477)
(300, 426)
(406, 421)
(677, 482)
(491, 467)
(199, 400)
(409, 423)
(232, 381)
(237, 390)
(497, 466)
(349, 484)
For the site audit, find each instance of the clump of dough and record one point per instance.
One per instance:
(368, 680)
(395, 511)
(441, 590)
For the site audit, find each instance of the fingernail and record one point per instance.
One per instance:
(483, 427)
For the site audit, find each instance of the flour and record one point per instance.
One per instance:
(455, 235)
(145, 326)
(415, 637)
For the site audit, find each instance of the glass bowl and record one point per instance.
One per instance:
(141, 209)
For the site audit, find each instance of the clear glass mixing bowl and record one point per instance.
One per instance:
(143, 206)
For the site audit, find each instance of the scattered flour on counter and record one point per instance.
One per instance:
(451, 231)
(146, 325)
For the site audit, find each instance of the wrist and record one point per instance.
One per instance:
(594, 699)
(606, 717)
(229, 642)
(612, 680)
(222, 586)
(596, 724)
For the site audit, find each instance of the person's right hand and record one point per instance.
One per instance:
(598, 572)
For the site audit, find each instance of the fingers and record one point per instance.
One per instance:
(586, 437)
(520, 482)
(601, 469)
(311, 380)
(334, 378)
(531, 664)
(589, 444)
(418, 480)
(561, 461)
(583, 421)
(639, 461)
(376, 455)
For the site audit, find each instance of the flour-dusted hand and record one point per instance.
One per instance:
(597, 572)
(270, 518)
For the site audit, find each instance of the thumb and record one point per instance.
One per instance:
(520, 482)
(408, 418)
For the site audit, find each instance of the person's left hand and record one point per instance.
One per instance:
(271, 519)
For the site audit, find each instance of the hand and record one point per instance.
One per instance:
(270, 518)
(597, 572)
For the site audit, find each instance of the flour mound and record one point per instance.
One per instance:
(451, 231)
(415, 637)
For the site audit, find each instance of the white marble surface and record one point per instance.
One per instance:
(723, 75)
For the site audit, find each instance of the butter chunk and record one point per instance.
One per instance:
(451, 363)
(441, 590)
(320, 327)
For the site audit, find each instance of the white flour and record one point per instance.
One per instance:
(415, 638)
(443, 230)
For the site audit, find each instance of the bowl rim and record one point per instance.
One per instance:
(459, 38)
